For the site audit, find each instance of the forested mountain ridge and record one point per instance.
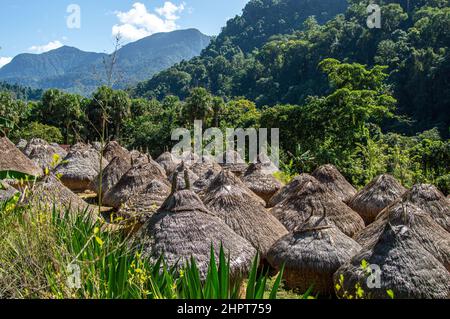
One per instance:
(413, 42)
(81, 72)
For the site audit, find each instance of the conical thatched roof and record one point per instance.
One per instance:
(235, 204)
(180, 172)
(406, 268)
(420, 225)
(289, 189)
(232, 160)
(133, 182)
(335, 181)
(431, 201)
(206, 171)
(268, 167)
(377, 195)
(316, 199)
(43, 154)
(168, 162)
(49, 192)
(12, 159)
(6, 192)
(113, 149)
(22, 144)
(143, 205)
(312, 254)
(201, 184)
(111, 174)
(262, 184)
(184, 228)
(80, 167)
(141, 158)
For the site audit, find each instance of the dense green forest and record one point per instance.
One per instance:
(413, 43)
(369, 101)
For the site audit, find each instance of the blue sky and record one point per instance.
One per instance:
(40, 25)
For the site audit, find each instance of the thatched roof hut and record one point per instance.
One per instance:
(143, 205)
(113, 149)
(420, 225)
(43, 154)
(407, 269)
(206, 171)
(335, 181)
(382, 191)
(312, 254)
(80, 167)
(49, 192)
(133, 182)
(183, 228)
(12, 159)
(180, 172)
(21, 144)
(168, 162)
(262, 184)
(431, 201)
(111, 175)
(6, 192)
(232, 160)
(289, 189)
(316, 199)
(237, 206)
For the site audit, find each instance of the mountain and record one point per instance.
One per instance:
(77, 71)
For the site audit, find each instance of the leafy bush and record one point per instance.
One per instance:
(37, 130)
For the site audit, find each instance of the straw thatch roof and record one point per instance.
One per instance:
(262, 184)
(140, 158)
(431, 201)
(143, 205)
(180, 172)
(50, 192)
(420, 225)
(111, 175)
(382, 191)
(184, 228)
(316, 199)
(133, 182)
(237, 206)
(113, 149)
(289, 189)
(268, 167)
(12, 159)
(168, 162)
(206, 171)
(232, 160)
(6, 191)
(22, 144)
(312, 254)
(43, 154)
(80, 167)
(335, 181)
(406, 268)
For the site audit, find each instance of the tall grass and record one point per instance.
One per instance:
(43, 251)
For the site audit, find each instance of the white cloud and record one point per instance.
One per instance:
(46, 47)
(4, 61)
(138, 23)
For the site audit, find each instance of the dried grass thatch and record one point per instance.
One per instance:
(12, 159)
(232, 161)
(382, 191)
(80, 167)
(133, 182)
(312, 254)
(237, 206)
(316, 199)
(184, 228)
(50, 192)
(431, 201)
(113, 149)
(168, 162)
(262, 184)
(111, 175)
(180, 173)
(406, 268)
(22, 144)
(289, 189)
(43, 154)
(335, 181)
(143, 205)
(6, 192)
(206, 171)
(420, 226)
